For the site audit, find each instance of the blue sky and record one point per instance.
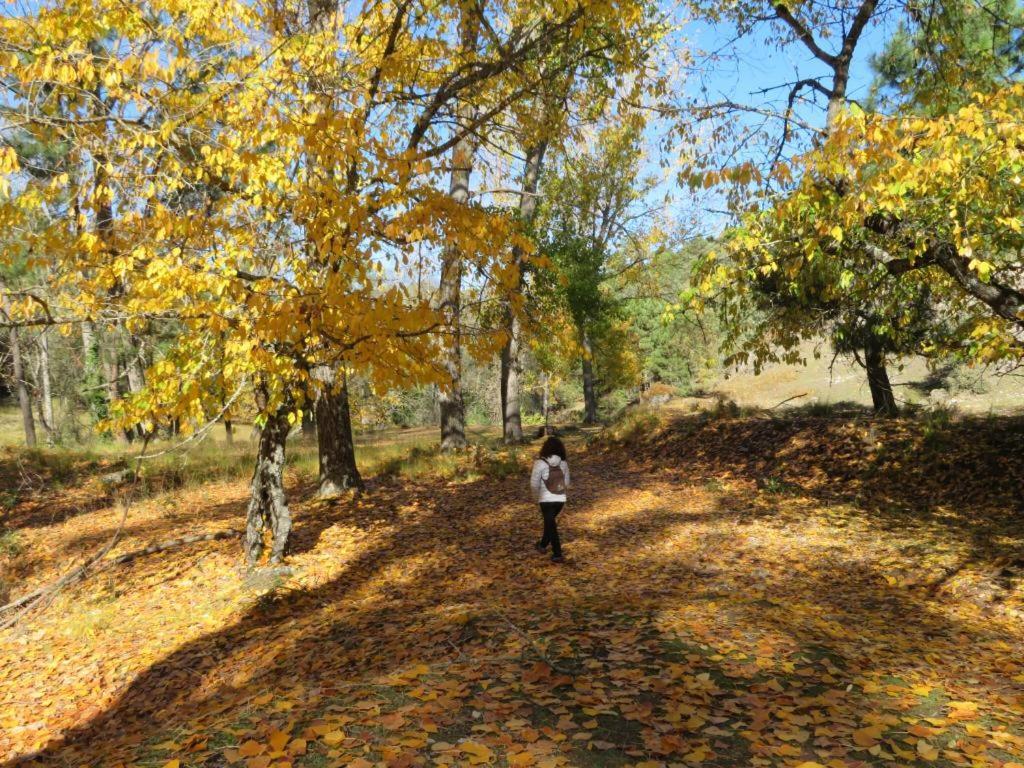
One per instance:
(750, 71)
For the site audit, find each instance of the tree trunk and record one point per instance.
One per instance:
(24, 398)
(229, 431)
(546, 404)
(511, 368)
(309, 425)
(111, 365)
(338, 471)
(91, 377)
(453, 408)
(268, 507)
(135, 368)
(878, 380)
(45, 393)
(589, 388)
(136, 372)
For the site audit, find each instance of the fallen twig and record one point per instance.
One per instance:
(50, 591)
(172, 543)
(789, 400)
(536, 648)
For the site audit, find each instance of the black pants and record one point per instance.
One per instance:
(550, 510)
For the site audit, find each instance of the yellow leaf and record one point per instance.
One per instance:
(867, 737)
(478, 753)
(927, 751)
(334, 738)
(251, 748)
(278, 740)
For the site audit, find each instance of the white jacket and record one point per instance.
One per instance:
(541, 470)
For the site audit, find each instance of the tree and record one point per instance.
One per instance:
(194, 176)
(574, 93)
(788, 306)
(453, 408)
(945, 50)
(594, 235)
(511, 364)
(20, 383)
(675, 347)
(903, 209)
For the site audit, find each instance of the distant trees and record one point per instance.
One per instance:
(596, 228)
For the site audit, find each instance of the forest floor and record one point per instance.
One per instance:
(741, 591)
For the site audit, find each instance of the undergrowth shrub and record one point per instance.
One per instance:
(480, 461)
(632, 427)
(936, 423)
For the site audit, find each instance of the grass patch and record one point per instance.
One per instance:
(474, 464)
(776, 486)
(10, 544)
(634, 426)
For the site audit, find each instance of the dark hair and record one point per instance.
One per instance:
(553, 447)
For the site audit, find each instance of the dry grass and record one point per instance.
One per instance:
(825, 382)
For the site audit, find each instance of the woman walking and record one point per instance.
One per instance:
(549, 482)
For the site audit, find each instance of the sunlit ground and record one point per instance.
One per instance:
(739, 592)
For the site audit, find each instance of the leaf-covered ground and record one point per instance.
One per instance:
(740, 591)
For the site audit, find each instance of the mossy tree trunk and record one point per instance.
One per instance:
(589, 383)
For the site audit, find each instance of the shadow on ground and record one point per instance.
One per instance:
(691, 624)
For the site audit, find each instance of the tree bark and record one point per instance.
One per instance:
(45, 393)
(135, 370)
(229, 431)
(878, 379)
(93, 391)
(453, 409)
(546, 404)
(338, 471)
(589, 386)
(24, 397)
(309, 424)
(511, 367)
(110, 364)
(268, 506)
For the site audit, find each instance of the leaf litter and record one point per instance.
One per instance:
(706, 617)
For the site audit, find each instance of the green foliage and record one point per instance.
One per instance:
(680, 348)
(946, 49)
(429, 460)
(595, 241)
